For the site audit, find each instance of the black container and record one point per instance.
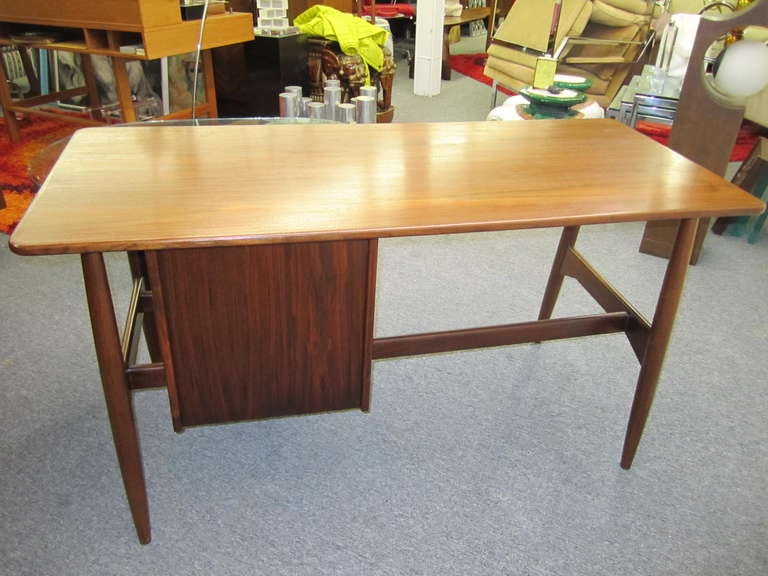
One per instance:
(192, 11)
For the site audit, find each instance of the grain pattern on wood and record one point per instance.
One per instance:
(260, 331)
(126, 188)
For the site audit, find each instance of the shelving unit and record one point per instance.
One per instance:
(124, 30)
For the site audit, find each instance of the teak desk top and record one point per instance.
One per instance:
(141, 188)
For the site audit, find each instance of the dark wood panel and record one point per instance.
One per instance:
(262, 331)
(145, 376)
(659, 238)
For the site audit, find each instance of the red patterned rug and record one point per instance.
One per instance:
(16, 185)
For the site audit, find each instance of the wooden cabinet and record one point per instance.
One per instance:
(104, 27)
(132, 15)
(123, 29)
(250, 76)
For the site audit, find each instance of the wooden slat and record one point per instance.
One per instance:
(203, 109)
(220, 30)
(48, 98)
(536, 331)
(73, 119)
(595, 60)
(609, 298)
(130, 337)
(146, 376)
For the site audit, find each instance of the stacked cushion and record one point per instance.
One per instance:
(620, 12)
(574, 16)
(527, 25)
(517, 66)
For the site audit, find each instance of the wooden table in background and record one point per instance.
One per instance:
(269, 235)
(467, 15)
(488, 14)
(102, 28)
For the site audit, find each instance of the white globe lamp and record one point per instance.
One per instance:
(743, 69)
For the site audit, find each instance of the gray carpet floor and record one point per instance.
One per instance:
(460, 99)
(501, 461)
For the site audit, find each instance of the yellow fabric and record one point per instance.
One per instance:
(354, 35)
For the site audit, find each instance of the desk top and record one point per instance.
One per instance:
(467, 15)
(143, 188)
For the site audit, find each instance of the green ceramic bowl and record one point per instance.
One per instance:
(578, 83)
(564, 99)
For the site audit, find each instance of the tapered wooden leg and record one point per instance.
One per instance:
(94, 100)
(445, 71)
(116, 393)
(123, 87)
(6, 101)
(29, 70)
(210, 84)
(658, 338)
(555, 282)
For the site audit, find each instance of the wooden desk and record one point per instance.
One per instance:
(258, 231)
(467, 15)
(99, 28)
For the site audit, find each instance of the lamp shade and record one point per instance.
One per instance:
(743, 69)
